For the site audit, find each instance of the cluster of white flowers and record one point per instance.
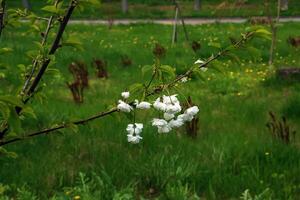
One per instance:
(169, 105)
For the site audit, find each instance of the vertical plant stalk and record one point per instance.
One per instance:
(174, 36)
(178, 14)
(274, 31)
(2, 14)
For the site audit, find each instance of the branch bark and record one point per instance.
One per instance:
(156, 90)
(54, 47)
(2, 14)
(44, 40)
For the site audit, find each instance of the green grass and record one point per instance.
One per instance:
(233, 151)
(165, 9)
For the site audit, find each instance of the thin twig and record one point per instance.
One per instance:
(156, 90)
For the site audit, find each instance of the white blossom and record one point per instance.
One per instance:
(185, 117)
(176, 123)
(134, 139)
(134, 128)
(124, 107)
(184, 79)
(199, 61)
(168, 116)
(173, 108)
(192, 110)
(125, 95)
(158, 105)
(204, 69)
(142, 105)
(162, 125)
(159, 122)
(164, 129)
(170, 99)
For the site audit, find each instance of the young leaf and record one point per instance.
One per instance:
(13, 100)
(136, 87)
(73, 42)
(168, 70)
(146, 69)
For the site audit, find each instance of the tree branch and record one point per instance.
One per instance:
(44, 40)
(2, 13)
(156, 90)
(54, 47)
(45, 62)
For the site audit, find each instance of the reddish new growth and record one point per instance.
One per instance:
(126, 61)
(196, 46)
(294, 41)
(280, 129)
(80, 76)
(100, 67)
(159, 51)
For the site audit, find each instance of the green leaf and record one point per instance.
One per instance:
(136, 87)
(263, 31)
(73, 127)
(168, 70)
(233, 57)
(27, 110)
(8, 154)
(14, 123)
(13, 100)
(215, 44)
(51, 9)
(5, 50)
(4, 110)
(73, 42)
(146, 69)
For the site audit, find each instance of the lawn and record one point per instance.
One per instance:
(165, 9)
(233, 151)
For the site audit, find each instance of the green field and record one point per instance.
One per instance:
(157, 9)
(233, 151)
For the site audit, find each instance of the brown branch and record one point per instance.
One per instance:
(44, 40)
(156, 90)
(2, 14)
(54, 47)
